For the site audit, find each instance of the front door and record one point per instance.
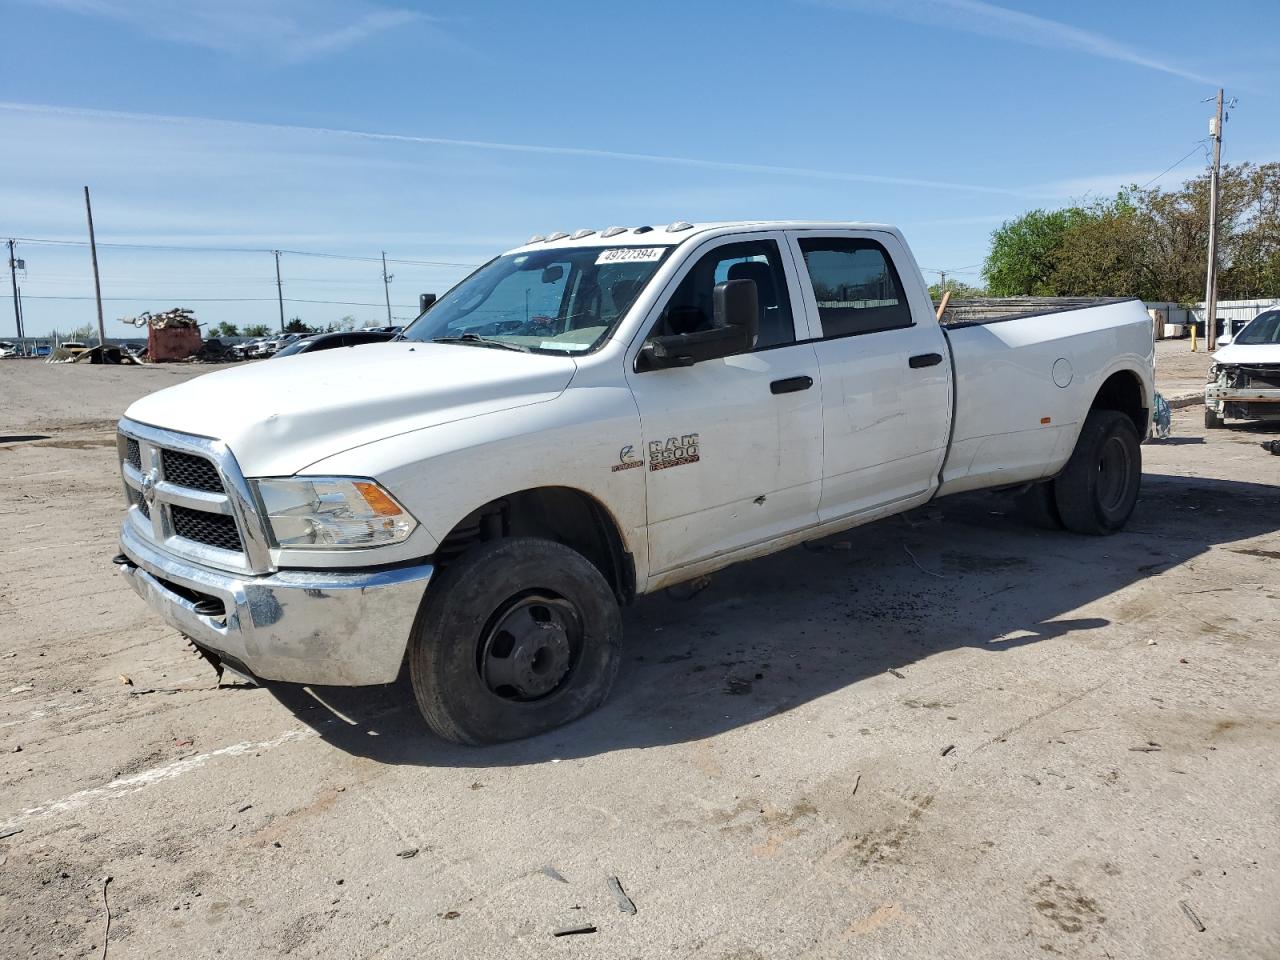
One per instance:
(732, 446)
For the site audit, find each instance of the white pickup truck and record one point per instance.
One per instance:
(593, 417)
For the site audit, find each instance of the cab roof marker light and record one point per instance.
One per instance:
(558, 235)
(579, 234)
(678, 226)
(613, 231)
(536, 238)
(642, 230)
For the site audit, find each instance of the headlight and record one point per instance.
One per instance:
(327, 512)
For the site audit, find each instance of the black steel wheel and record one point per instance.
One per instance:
(515, 637)
(1098, 489)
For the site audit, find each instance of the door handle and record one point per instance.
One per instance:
(791, 385)
(925, 360)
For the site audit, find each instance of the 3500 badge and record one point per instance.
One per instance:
(674, 452)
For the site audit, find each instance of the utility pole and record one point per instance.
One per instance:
(279, 290)
(97, 284)
(942, 280)
(386, 285)
(13, 281)
(1211, 275)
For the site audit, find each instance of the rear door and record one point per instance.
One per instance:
(886, 371)
(733, 446)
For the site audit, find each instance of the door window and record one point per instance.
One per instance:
(690, 308)
(855, 285)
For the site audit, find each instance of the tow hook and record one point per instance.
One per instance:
(122, 562)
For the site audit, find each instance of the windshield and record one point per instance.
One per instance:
(1264, 328)
(547, 301)
(295, 347)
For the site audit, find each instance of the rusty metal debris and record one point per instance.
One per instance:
(574, 931)
(625, 903)
(177, 317)
(106, 934)
(1191, 915)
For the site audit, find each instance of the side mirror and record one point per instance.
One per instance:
(1224, 341)
(736, 314)
(736, 303)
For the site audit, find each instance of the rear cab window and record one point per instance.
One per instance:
(855, 285)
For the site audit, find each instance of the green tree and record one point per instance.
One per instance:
(225, 329)
(1102, 253)
(295, 325)
(256, 330)
(1021, 262)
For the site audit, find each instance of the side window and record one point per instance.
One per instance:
(856, 286)
(690, 308)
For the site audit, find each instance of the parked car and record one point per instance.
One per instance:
(1244, 380)
(73, 347)
(587, 419)
(328, 341)
(8, 349)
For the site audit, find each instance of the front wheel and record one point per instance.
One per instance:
(1212, 419)
(1098, 490)
(516, 637)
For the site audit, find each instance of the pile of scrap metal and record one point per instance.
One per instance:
(177, 317)
(171, 335)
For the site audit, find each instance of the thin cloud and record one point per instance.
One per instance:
(525, 148)
(289, 30)
(987, 19)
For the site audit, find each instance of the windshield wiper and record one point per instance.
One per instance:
(482, 341)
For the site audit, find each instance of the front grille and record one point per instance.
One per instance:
(135, 496)
(133, 454)
(188, 470)
(212, 529)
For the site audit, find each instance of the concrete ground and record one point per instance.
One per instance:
(943, 735)
(1181, 373)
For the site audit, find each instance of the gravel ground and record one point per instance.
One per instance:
(1019, 743)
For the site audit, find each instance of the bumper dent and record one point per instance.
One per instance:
(322, 627)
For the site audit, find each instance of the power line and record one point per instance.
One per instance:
(200, 249)
(341, 303)
(1198, 145)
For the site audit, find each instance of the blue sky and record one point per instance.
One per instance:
(445, 132)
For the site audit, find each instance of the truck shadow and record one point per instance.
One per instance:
(777, 633)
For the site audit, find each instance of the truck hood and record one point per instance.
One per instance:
(280, 415)
(1248, 353)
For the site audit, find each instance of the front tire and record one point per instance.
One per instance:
(1212, 419)
(517, 636)
(1098, 490)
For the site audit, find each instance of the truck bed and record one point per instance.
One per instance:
(983, 310)
(1026, 371)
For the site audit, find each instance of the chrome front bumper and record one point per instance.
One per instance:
(322, 627)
